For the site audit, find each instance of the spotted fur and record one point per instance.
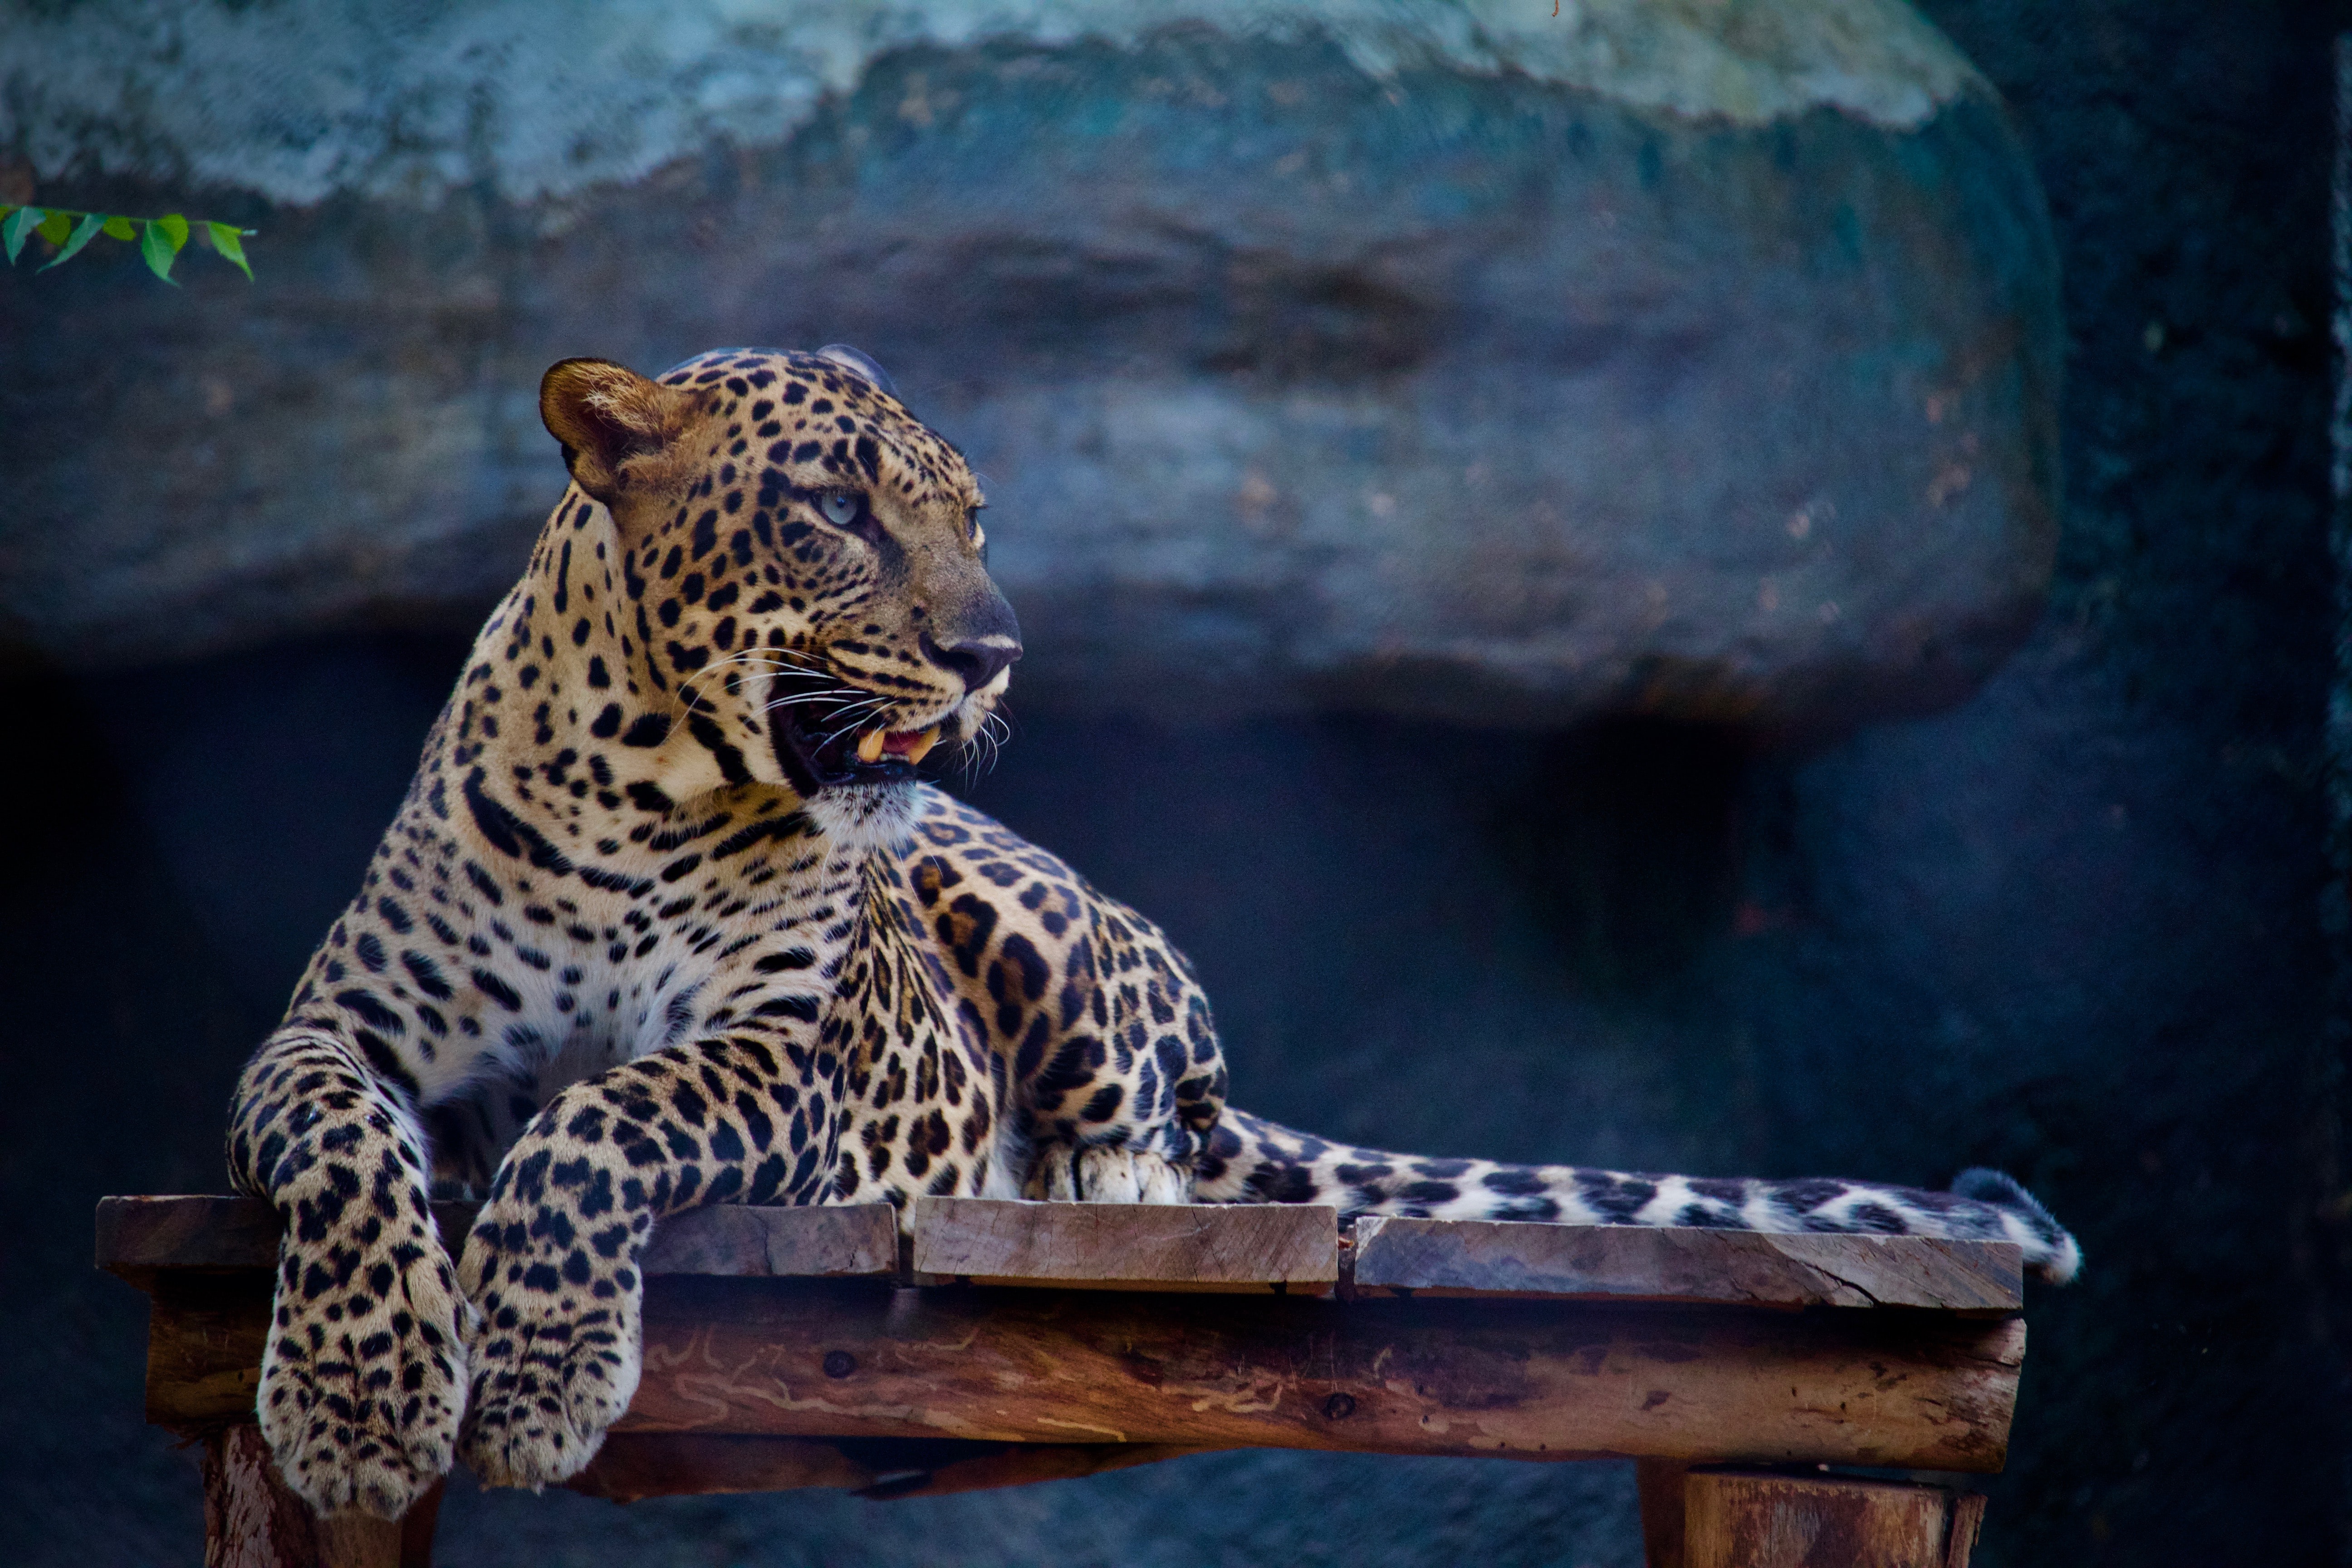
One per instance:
(666, 918)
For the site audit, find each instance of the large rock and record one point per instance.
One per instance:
(1443, 359)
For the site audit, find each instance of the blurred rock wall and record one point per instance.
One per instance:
(1437, 358)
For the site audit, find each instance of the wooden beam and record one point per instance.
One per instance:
(1736, 1520)
(1287, 1247)
(204, 1339)
(1745, 1267)
(139, 1237)
(1525, 1380)
(798, 1358)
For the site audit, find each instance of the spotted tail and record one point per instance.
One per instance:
(1251, 1161)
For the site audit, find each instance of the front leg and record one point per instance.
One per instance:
(1121, 1102)
(552, 1260)
(364, 1369)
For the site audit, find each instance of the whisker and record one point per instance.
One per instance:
(982, 750)
(808, 697)
(857, 712)
(742, 658)
(837, 734)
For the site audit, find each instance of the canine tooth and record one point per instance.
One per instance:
(869, 746)
(923, 743)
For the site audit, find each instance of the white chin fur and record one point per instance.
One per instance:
(873, 817)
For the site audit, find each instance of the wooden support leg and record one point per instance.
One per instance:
(253, 1520)
(1731, 1519)
(1661, 1481)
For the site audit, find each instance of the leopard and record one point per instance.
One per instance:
(671, 916)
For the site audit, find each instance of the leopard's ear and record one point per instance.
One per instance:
(609, 418)
(859, 363)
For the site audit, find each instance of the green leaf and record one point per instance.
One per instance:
(119, 228)
(84, 232)
(157, 247)
(225, 241)
(175, 229)
(20, 223)
(55, 228)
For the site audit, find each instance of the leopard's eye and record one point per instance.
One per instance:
(839, 507)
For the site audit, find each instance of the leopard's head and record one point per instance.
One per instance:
(802, 564)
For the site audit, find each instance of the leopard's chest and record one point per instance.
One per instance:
(564, 980)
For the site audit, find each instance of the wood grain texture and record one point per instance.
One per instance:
(139, 1236)
(204, 1339)
(1517, 1379)
(1744, 1268)
(787, 1358)
(1968, 1519)
(809, 1360)
(1736, 1520)
(252, 1520)
(1659, 1487)
(856, 1241)
(1126, 1246)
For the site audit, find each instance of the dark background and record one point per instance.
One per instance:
(2071, 928)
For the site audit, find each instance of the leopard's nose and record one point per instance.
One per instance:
(976, 660)
(977, 637)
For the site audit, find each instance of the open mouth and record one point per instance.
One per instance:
(821, 745)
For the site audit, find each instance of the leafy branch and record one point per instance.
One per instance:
(160, 238)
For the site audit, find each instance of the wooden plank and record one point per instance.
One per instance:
(635, 1465)
(1293, 1247)
(1161, 1247)
(143, 1234)
(848, 1242)
(1736, 1520)
(1743, 1267)
(1553, 1379)
(139, 1236)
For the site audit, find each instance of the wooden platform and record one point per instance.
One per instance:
(1007, 1342)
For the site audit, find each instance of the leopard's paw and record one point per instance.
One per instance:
(363, 1378)
(1101, 1175)
(551, 1370)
